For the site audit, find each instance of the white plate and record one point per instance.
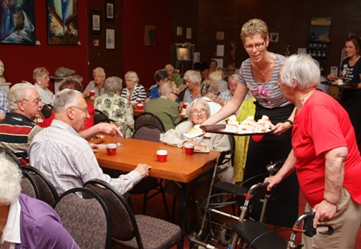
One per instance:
(194, 134)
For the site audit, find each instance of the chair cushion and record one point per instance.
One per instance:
(155, 233)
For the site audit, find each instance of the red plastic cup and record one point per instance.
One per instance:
(185, 105)
(92, 92)
(161, 155)
(189, 148)
(111, 149)
(139, 101)
(140, 106)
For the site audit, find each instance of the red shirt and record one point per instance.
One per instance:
(323, 125)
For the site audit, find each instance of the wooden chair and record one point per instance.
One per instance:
(86, 219)
(101, 117)
(10, 155)
(47, 191)
(134, 231)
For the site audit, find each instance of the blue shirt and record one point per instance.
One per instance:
(154, 93)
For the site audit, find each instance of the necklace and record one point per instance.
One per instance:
(265, 72)
(306, 96)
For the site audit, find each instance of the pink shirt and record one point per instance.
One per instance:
(323, 125)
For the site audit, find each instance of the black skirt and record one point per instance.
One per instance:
(270, 148)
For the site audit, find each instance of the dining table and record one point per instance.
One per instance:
(178, 167)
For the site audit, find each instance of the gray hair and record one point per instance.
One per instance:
(302, 67)
(191, 106)
(39, 72)
(133, 76)
(113, 84)
(16, 93)
(99, 69)
(216, 75)
(252, 27)
(233, 77)
(169, 66)
(209, 86)
(167, 88)
(65, 98)
(194, 76)
(10, 181)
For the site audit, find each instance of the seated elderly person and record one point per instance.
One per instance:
(18, 128)
(97, 84)
(41, 78)
(165, 107)
(4, 104)
(193, 91)
(71, 82)
(173, 75)
(65, 158)
(198, 111)
(27, 222)
(133, 89)
(115, 107)
(218, 76)
(227, 95)
(209, 92)
(161, 77)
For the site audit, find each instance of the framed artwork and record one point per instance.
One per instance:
(109, 10)
(62, 22)
(95, 22)
(17, 22)
(273, 37)
(110, 38)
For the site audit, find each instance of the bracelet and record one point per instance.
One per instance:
(289, 121)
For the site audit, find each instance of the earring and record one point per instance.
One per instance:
(39, 82)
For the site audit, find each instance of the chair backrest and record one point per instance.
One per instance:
(29, 186)
(10, 156)
(46, 110)
(148, 132)
(47, 191)
(124, 226)
(86, 219)
(101, 117)
(147, 118)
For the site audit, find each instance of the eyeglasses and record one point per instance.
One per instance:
(201, 111)
(217, 94)
(35, 101)
(82, 109)
(257, 46)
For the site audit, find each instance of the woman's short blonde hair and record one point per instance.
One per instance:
(252, 27)
(39, 72)
(133, 76)
(209, 86)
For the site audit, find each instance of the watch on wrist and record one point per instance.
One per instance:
(289, 121)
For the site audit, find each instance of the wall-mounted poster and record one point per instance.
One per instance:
(62, 22)
(17, 22)
(109, 11)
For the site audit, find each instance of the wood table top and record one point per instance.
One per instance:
(178, 167)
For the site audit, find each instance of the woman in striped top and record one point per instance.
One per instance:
(133, 89)
(259, 74)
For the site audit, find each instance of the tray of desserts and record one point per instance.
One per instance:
(340, 83)
(245, 128)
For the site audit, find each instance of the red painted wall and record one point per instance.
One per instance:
(137, 57)
(21, 60)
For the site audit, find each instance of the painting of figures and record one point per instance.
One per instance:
(62, 22)
(17, 22)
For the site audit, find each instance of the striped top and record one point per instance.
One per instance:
(267, 94)
(138, 93)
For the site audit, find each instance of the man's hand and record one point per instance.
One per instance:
(143, 170)
(94, 147)
(324, 211)
(110, 129)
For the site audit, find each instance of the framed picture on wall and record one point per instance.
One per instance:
(17, 22)
(110, 38)
(62, 22)
(109, 11)
(95, 22)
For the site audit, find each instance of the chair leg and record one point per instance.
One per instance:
(145, 199)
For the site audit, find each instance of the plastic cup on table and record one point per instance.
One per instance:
(140, 106)
(161, 155)
(189, 148)
(111, 149)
